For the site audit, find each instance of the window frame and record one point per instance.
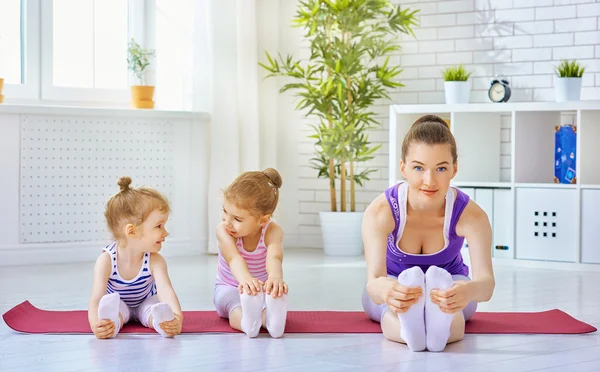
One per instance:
(29, 90)
(38, 59)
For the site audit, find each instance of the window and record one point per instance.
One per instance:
(175, 53)
(11, 41)
(84, 49)
(20, 48)
(95, 56)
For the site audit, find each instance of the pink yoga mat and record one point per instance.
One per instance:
(29, 319)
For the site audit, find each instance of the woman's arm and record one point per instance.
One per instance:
(164, 288)
(474, 225)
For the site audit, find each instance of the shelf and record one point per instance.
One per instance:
(478, 141)
(497, 107)
(497, 185)
(588, 147)
(506, 164)
(545, 185)
(534, 146)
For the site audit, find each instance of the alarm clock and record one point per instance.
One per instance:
(499, 91)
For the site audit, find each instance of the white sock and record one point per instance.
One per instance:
(108, 308)
(161, 312)
(437, 322)
(276, 314)
(252, 313)
(412, 322)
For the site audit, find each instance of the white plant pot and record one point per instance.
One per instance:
(457, 91)
(567, 89)
(341, 233)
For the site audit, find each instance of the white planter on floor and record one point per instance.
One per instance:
(457, 91)
(342, 233)
(567, 89)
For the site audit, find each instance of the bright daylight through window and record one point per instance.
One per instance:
(89, 43)
(11, 44)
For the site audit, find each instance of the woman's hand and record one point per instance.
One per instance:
(250, 286)
(396, 296)
(104, 329)
(276, 286)
(454, 299)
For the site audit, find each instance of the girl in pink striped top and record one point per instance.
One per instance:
(249, 287)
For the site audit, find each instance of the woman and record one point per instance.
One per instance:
(418, 287)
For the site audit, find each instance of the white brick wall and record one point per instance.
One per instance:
(521, 39)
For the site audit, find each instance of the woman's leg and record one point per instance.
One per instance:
(390, 322)
(471, 308)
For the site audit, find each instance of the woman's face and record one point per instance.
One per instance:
(429, 170)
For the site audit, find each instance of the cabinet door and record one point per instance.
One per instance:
(546, 224)
(590, 226)
(503, 224)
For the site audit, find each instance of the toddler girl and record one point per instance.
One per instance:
(249, 288)
(130, 277)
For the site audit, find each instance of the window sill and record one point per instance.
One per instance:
(56, 109)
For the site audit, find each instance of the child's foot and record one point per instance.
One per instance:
(412, 322)
(437, 322)
(161, 312)
(276, 314)
(108, 308)
(252, 313)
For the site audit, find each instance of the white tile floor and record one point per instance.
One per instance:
(316, 282)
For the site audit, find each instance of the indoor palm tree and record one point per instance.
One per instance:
(347, 72)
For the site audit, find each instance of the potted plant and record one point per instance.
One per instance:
(568, 81)
(138, 60)
(347, 72)
(456, 84)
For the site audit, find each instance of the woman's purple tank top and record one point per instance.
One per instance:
(449, 258)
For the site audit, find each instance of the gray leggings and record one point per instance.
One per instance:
(375, 312)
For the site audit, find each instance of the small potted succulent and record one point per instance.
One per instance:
(456, 84)
(138, 60)
(568, 81)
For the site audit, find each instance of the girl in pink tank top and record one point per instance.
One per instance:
(249, 287)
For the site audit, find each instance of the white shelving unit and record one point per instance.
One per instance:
(506, 165)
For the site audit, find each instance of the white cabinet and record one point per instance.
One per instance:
(506, 157)
(502, 224)
(498, 205)
(590, 226)
(546, 224)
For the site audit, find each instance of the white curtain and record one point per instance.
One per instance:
(226, 42)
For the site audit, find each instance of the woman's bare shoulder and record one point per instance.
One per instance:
(380, 213)
(473, 216)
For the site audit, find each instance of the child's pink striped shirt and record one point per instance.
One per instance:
(256, 261)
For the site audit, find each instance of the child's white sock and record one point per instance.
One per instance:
(412, 322)
(108, 308)
(437, 322)
(161, 312)
(276, 314)
(252, 313)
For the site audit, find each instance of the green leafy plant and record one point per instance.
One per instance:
(347, 72)
(569, 69)
(138, 59)
(457, 73)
